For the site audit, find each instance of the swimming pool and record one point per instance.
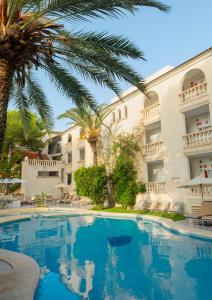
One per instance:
(95, 258)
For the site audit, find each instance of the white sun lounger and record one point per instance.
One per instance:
(177, 207)
(165, 205)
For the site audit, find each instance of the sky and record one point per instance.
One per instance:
(165, 39)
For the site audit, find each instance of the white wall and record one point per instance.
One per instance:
(171, 129)
(35, 185)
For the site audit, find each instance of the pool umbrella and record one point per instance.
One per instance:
(6, 181)
(200, 182)
(62, 186)
(12, 180)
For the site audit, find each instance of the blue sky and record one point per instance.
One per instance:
(166, 39)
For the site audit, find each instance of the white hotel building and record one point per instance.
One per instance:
(175, 122)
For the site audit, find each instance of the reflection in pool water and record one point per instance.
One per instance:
(78, 262)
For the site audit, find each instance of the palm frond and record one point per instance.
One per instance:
(69, 86)
(113, 44)
(39, 101)
(81, 10)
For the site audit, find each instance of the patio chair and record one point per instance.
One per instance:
(177, 208)
(165, 205)
(154, 205)
(142, 205)
(199, 212)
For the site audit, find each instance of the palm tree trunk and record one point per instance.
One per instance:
(6, 73)
(94, 150)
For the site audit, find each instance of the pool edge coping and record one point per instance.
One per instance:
(22, 281)
(175, 226)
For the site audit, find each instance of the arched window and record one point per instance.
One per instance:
(119, 115)
(69, 138)
(151, 99)
(193, 78)
(125, 112)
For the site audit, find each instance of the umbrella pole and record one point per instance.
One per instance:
(201, 188)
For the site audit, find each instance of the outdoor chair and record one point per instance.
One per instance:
(154, 206)
(165, 205)
(198, 213)
(142, 205)
(177, 208)
(207, 220)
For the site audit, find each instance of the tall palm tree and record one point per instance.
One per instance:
(32, 37)
(90, 123)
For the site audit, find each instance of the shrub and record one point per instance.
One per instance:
(41, 200)
(91, 182)
(128, 197)
(124, 178)
(141, 188)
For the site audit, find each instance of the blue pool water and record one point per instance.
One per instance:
(105, 259)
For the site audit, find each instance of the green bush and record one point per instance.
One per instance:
(41, 200)
(91, 182)
(141, 188)
(129, 195)
(124, 179)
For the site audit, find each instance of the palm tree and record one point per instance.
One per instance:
(32, 37)
(90, 123)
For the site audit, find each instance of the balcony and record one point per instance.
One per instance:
(195, 194)
(153, 151)
(54, 151)
(200, 141)
(43, 163)
(194, 96)
(151, 110)
(156, 187)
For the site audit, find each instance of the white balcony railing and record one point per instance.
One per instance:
(194, 93)
(42, 163)
(199, 138)
(153, 148)
(156, 187)
(196, 192)
(152, 110)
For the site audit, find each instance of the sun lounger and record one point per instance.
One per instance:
(154, 205)
(207, 220)
(142, 205)
(165, 205)
(199, 212)
(177, 208)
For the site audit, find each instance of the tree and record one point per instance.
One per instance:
(90, 122)
(125, 173)
(31, 38)
(16, 135)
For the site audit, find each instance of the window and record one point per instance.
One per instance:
(125, 112)
(69, 138)
(62, 175)
(69, 178)
(69, 158)
(48, 173)
(119, 114)
(82, 154)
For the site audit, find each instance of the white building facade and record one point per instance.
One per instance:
(174, 118)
